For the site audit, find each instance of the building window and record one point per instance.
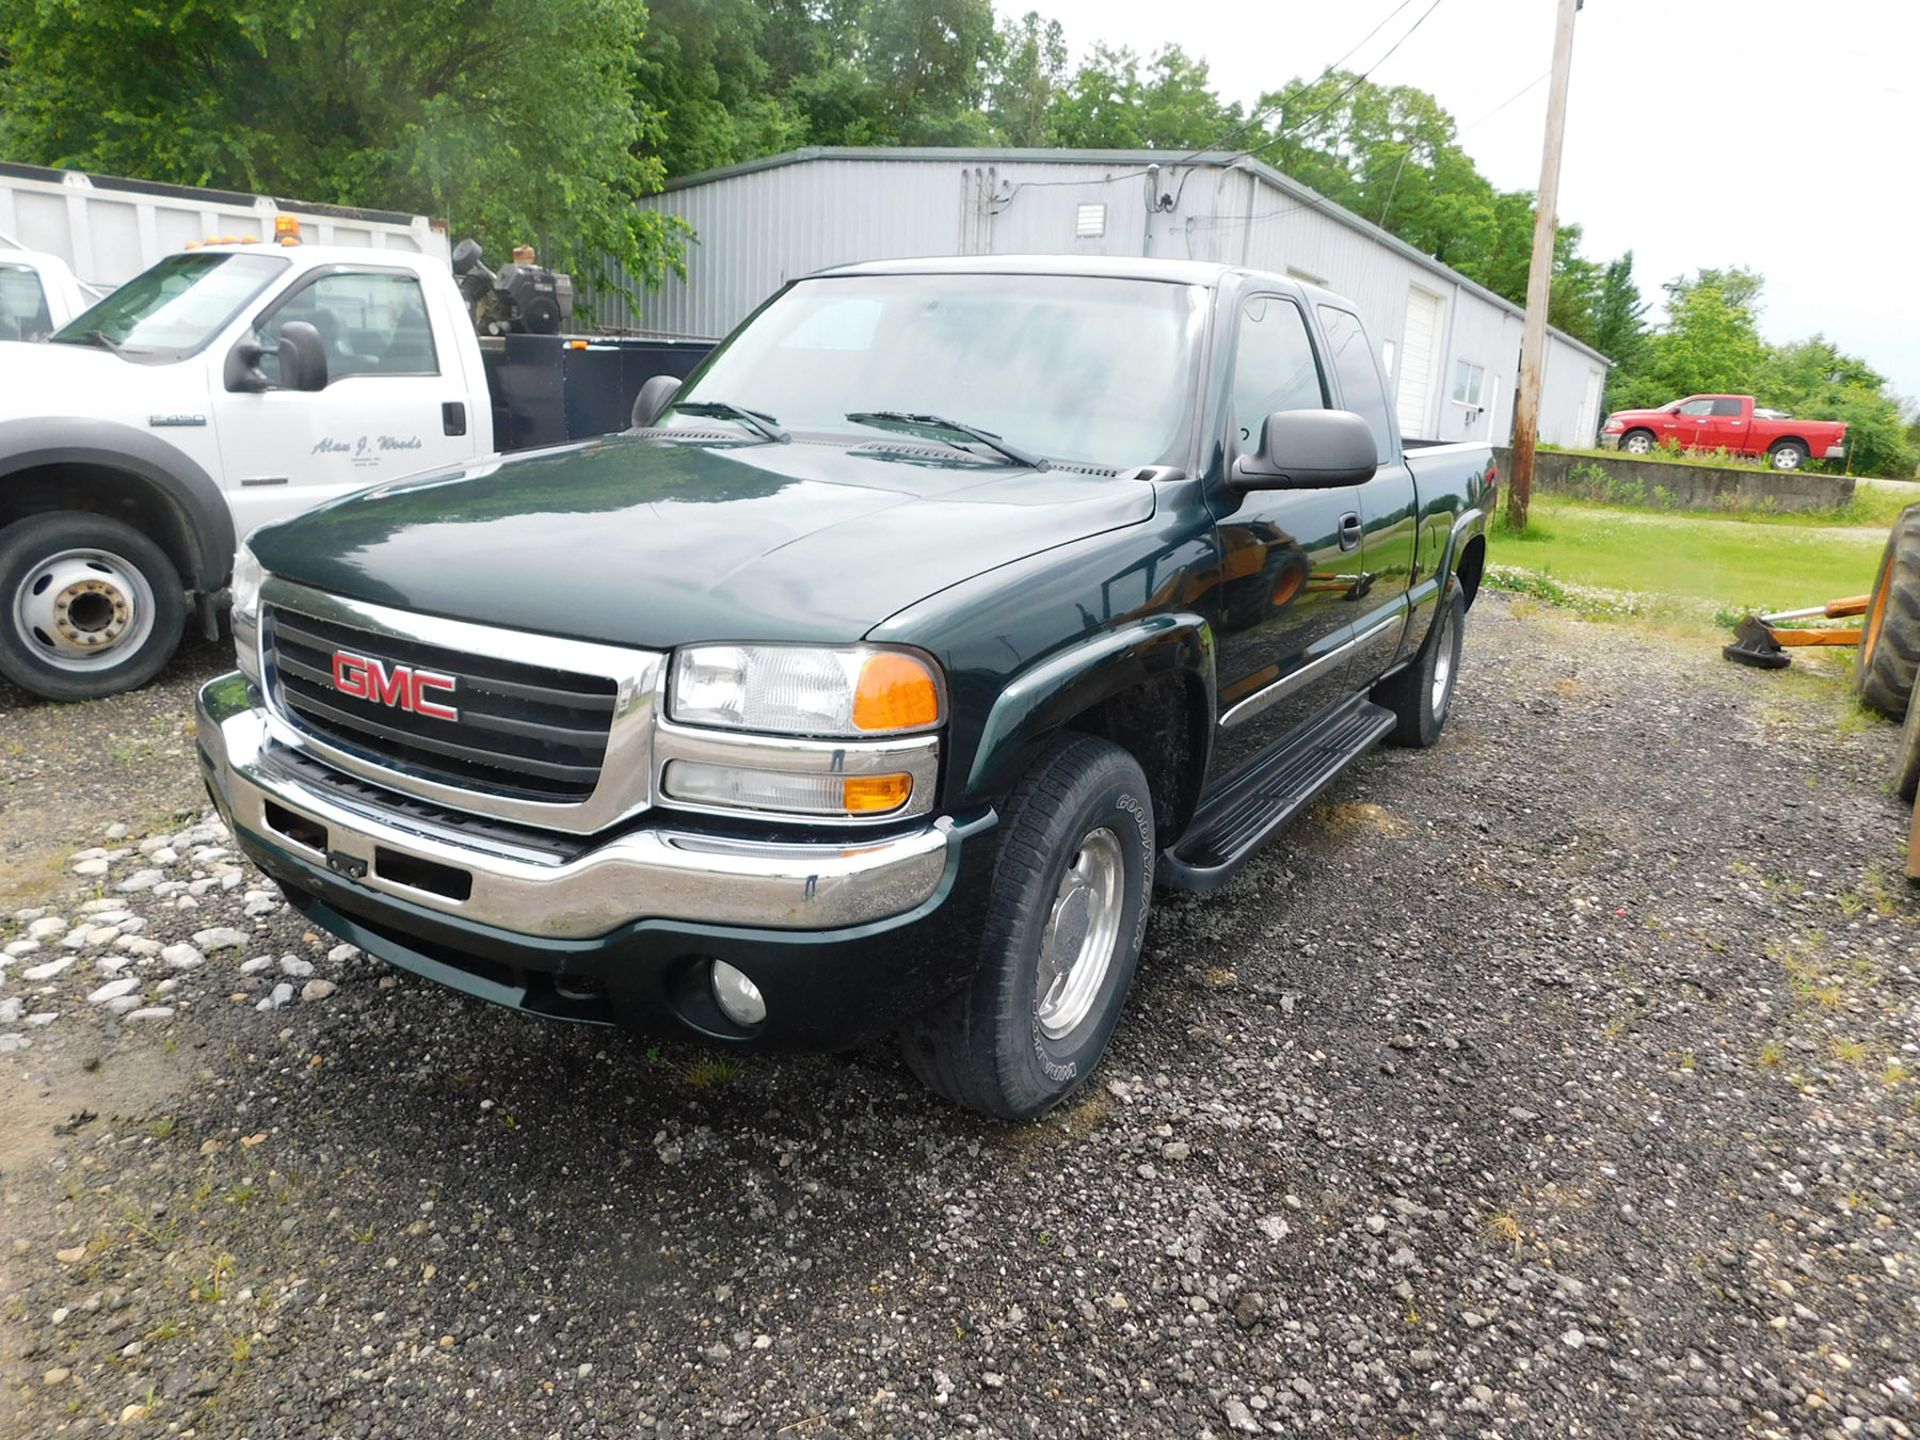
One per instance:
(1469, 384)
(1090, 222)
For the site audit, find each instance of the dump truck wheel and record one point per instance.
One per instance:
(1890, 630)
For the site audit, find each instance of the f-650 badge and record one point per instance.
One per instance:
(366, 677)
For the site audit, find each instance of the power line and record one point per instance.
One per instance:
(1347, 89)
(1219, 141)
(1261, 112)
(1523, 90)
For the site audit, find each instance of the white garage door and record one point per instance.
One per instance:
(1417, 357)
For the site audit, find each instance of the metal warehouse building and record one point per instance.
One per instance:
(1450, 347)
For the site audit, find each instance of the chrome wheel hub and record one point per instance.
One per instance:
(1082, 933)
(76, 609)
(1786, 459)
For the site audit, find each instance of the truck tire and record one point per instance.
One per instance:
(88, 606)
(1638, 442)
(1906, 765)
(1889, 655)
(1067, 912)
(1788, 455)
(1421, 696)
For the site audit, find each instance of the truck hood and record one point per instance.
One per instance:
(39, 380)
(652, 543)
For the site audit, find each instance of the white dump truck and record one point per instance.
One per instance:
(262, 359)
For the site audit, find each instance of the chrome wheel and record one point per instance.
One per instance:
(1077, 949)
(82, 609)
(1637, 445)
(1786, 458)
(1443, 665)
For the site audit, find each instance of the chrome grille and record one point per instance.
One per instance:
(523, 731)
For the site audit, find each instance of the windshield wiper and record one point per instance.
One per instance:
(756, 420)
(936, 427)
(105, 341)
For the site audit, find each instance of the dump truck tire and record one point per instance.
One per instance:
(1890, 631)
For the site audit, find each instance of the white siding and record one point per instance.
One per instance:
(759, 226)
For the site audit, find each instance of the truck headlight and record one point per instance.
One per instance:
(244, 594)
(245, 589)
(857, 690)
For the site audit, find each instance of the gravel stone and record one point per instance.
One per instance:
(46, 970)
(113, 990)
(220, 937)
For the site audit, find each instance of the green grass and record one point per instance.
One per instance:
(1690, 555)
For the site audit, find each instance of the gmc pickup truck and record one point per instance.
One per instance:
(235, 383)
(1726, 422)
(869, 684)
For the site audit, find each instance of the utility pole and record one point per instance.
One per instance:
(1533, 343)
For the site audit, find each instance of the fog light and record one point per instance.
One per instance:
(738, 997)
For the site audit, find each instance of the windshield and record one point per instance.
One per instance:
(1067, 367)
(174, 308)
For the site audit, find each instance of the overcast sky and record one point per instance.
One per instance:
(1776, 134)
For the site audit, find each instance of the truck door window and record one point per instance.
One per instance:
(1360, 385)
(23, 305)
(1696, 407)
(1273, 366)
(373, 322)
(1727, 407)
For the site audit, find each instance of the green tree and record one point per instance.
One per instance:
(1711, 341)
(708, 86)
(1030, 67)
(516, 122)
(1117, 101)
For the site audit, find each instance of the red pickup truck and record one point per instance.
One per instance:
(1726, 422)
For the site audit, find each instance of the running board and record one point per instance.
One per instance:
(1224, 836)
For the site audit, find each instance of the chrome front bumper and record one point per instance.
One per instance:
(661, 872)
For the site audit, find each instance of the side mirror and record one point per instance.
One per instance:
(302, 355)
(1309, 449)
(653, 398)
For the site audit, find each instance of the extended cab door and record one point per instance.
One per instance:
(395, 403)
(1283, 611)
(1389, 509)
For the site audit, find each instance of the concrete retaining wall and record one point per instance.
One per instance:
(1668, 485)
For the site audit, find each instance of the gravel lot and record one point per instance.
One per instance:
(1557, 1082)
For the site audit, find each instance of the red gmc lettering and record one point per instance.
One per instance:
(402, 687)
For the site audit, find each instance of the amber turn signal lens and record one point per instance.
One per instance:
(896, 692)
(874, 794)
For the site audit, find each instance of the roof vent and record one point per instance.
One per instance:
(1090, 222)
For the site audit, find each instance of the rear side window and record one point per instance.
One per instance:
(372, 323)
(1727, 407)
(1273, 366)
(1360, 383)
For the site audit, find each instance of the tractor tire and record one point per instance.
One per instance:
(1906, 764)
(1890, 630)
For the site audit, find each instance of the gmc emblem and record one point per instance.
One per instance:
(403, 687)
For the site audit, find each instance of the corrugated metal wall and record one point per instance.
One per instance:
(756, 229)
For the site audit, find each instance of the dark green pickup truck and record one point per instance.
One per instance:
(870, 684)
